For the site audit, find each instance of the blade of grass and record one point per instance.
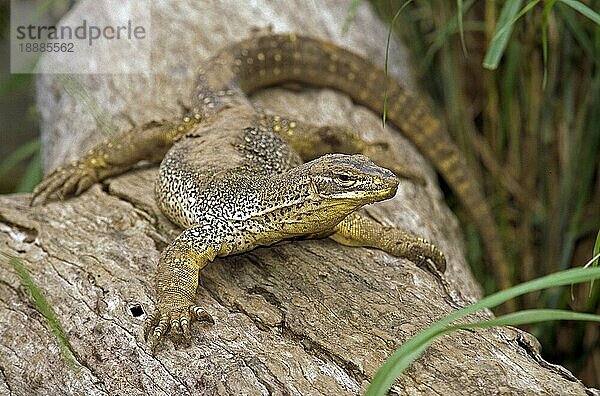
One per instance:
(23, 152)
(568, 17)
(442, 35)
(46, 311)
(387, 52)
(503, 31)
(389, 371)
(595, 261)
(528, 316)
(459, 20)
(33, 175)
(583, 9)
(546, 13)
(513, 319)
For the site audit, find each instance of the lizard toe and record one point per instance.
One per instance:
(159, 331)
(173, 321)
(185, 328)
(64, 182)
(47, 188)
(175, 326)
(69, 185)
(438, 258)
(149, 323)
(83, 184)
(201, 315)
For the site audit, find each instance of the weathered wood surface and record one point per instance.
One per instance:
(299, 318)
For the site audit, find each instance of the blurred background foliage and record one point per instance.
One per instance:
(19, 146)
(529, 128)
(20, 161)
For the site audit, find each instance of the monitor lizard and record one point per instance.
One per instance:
(235, 178)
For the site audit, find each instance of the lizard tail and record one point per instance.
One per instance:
(274, 59)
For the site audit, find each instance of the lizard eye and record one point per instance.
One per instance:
(345, 179)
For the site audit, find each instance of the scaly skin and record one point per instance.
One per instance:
(233, 178)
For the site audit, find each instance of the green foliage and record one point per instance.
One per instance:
(387, 52)
(22, 153)
(26, 158)
(13, 83)
(415, 346)
(509, 17)
(41, 304)
(30, 152)
(596, 260)
(33, 174)
(506, 22)
(518, 84)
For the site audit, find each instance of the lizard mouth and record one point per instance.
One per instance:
(382, 189)
(390, 186)
(386, 193)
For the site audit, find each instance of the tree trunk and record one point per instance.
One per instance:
(300, 318)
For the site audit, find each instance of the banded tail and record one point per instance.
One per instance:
(274, 59)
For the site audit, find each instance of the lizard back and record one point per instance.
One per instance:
(268, 60)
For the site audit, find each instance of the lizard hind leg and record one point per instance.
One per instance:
(357, 230)
(311, 141)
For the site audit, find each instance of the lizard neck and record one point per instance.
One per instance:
(295, 206)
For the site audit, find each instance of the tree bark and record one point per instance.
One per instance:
(298, 318)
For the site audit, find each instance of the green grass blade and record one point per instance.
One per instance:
(595, 262)
(387, 52)
(391, 369)
(33, 175)
(546, 13)
(23, 152)
(583, 9)
(513, 319)
(529, 316)
(459, 19)
(596, 251)
(442, 36)
(578, 31)
(503, 31)
(45, 310)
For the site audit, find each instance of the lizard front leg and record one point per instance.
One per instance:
(176, 283)
(114, 156)
(357, 230)
(311, 141)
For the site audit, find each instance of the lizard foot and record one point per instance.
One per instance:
(62, 182)
(419, 251)
(179, 319)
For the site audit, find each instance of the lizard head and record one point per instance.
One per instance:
(314, 197)
(350, 181)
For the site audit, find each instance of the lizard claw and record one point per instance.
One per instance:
(424, 250)
(62, 182)
(177, 320)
